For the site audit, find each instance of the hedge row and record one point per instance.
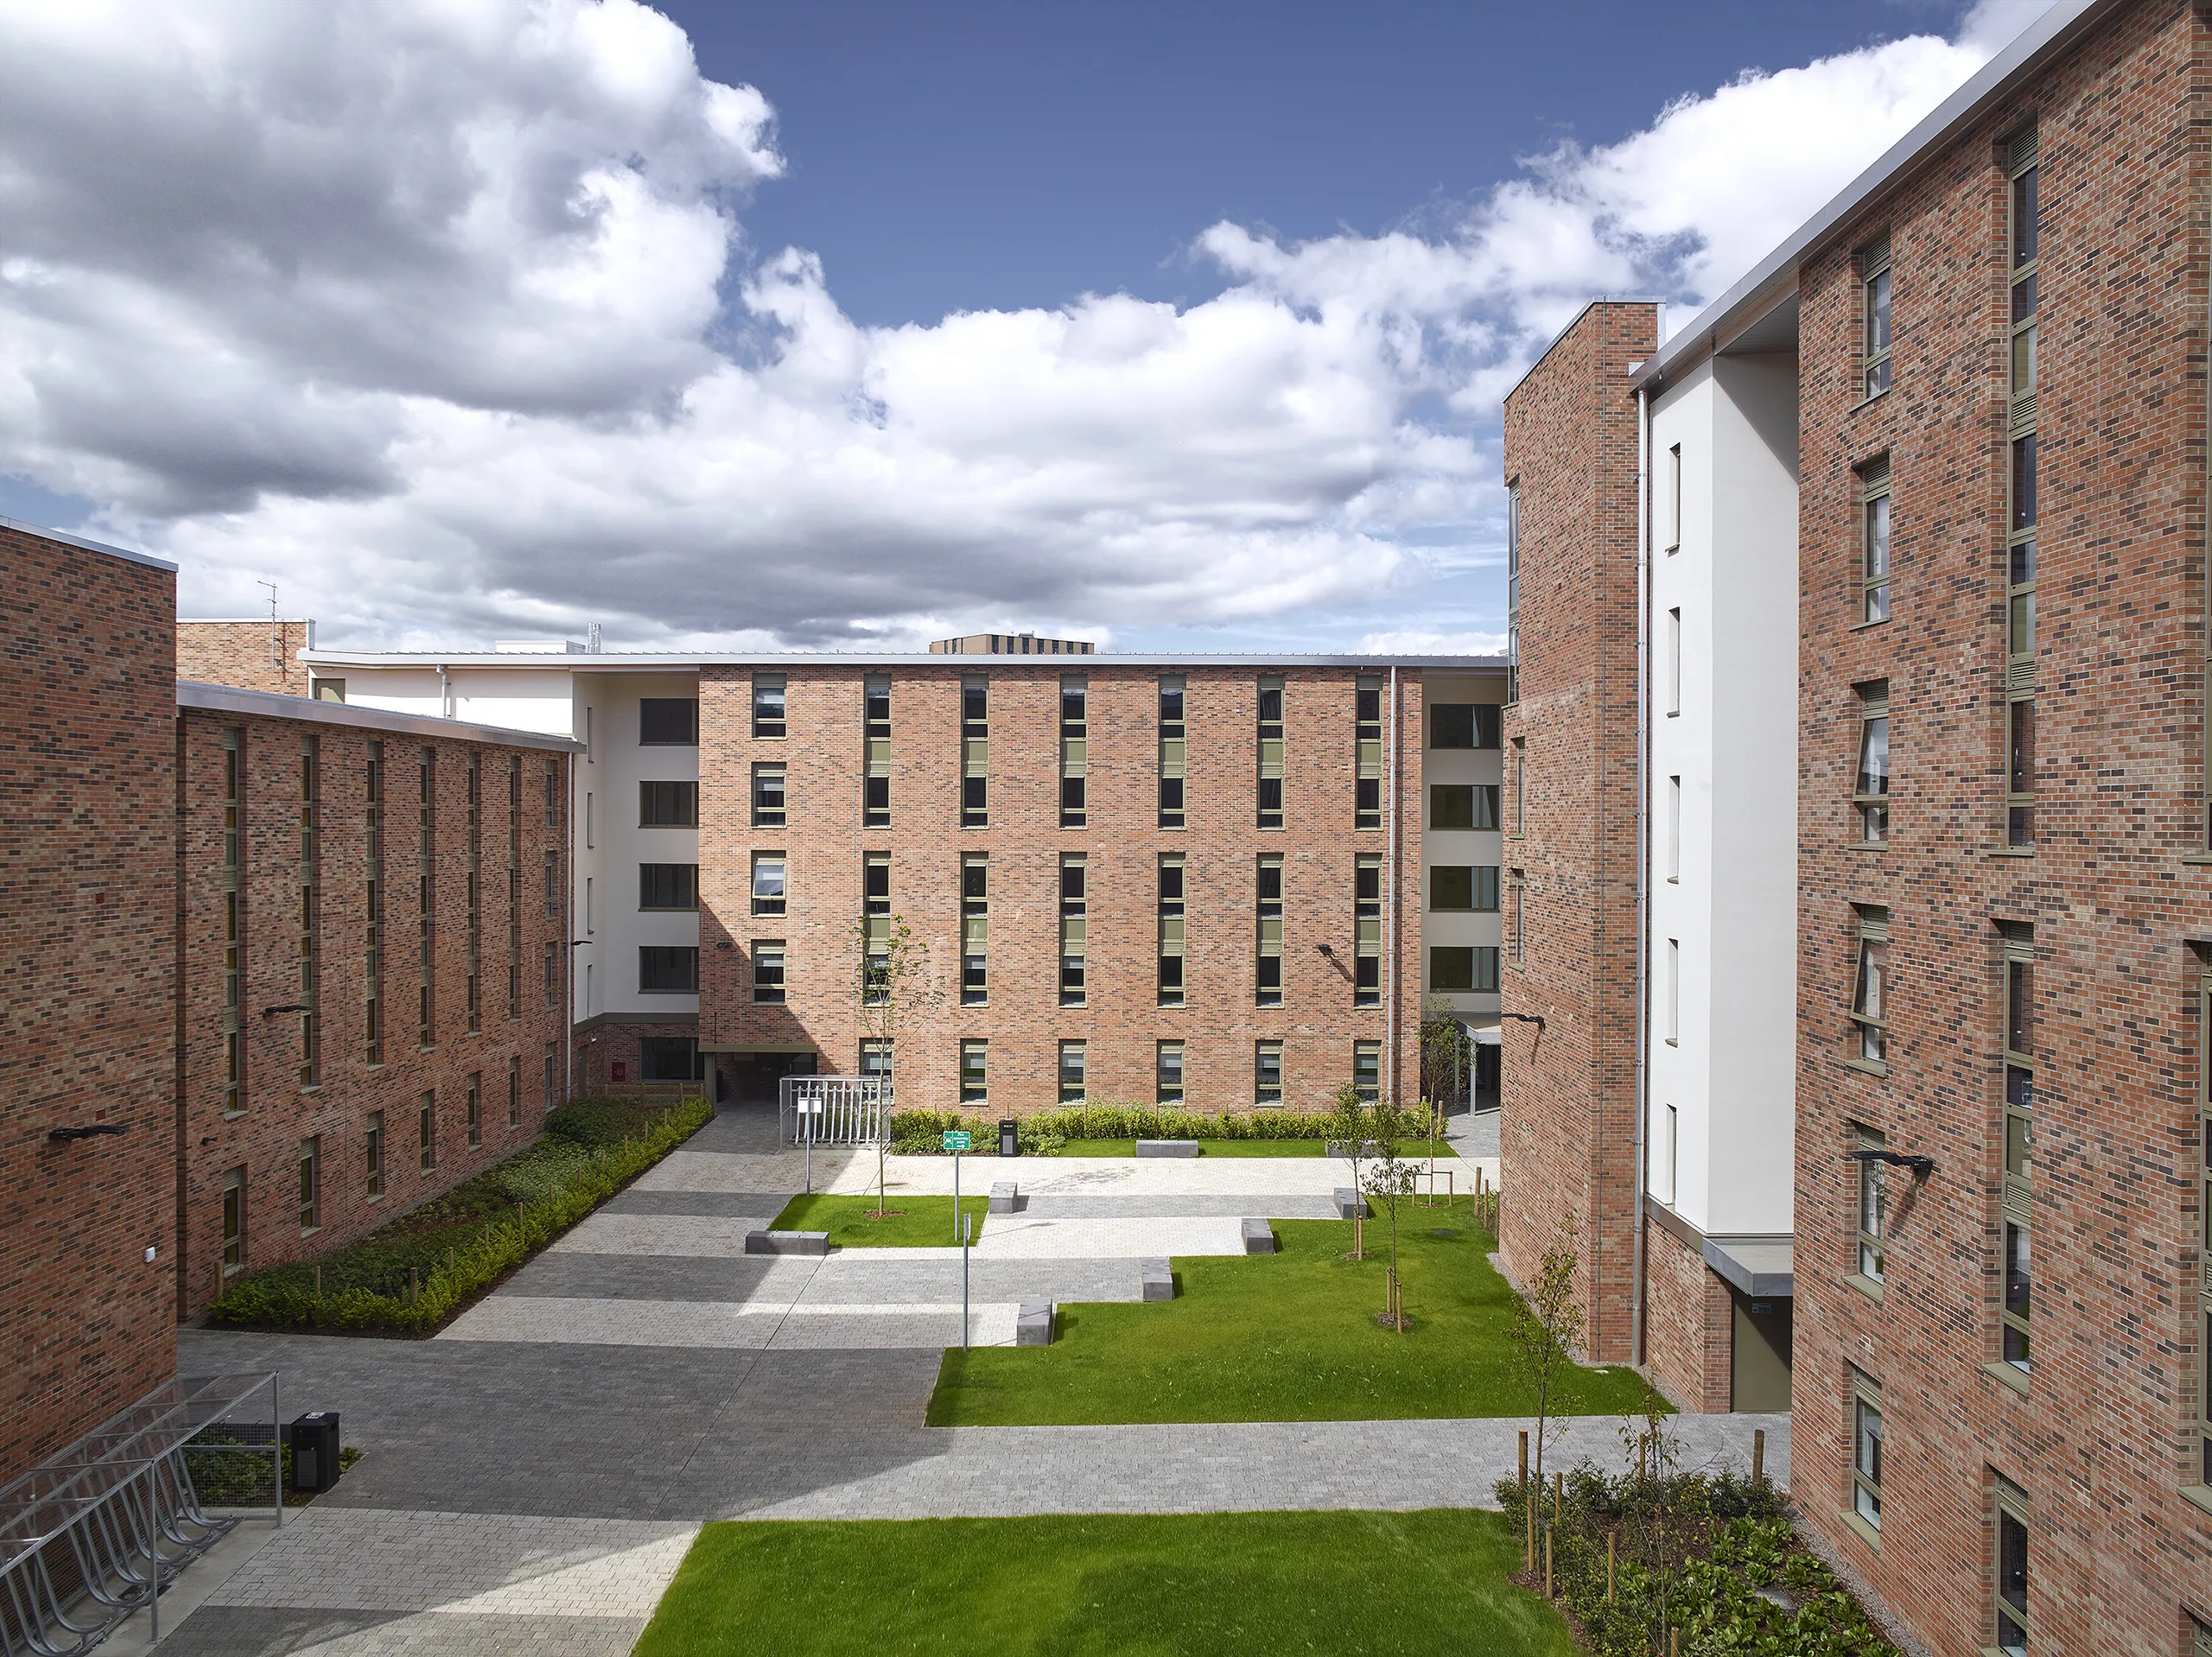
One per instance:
(918, 1131)
(553, 1184)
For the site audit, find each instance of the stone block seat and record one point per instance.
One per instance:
(788, 1243)
(1005, 1197)
(1158, 1276)
(1032, 1323)
(1168, 1147)
(1258, 1237)
(1350, 1203)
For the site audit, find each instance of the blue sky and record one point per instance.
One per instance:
(851, 324)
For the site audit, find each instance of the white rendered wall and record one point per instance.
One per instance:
(609, 773)
(1727, 893)
(1480, 929)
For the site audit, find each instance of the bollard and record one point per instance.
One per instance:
(1758, 1455)
(318, 1283)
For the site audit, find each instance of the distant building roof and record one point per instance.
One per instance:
(265, 704)
(1010, 644)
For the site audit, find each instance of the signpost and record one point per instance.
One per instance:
(956, 1140)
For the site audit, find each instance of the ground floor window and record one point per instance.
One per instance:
(234, 1220)
(375, 1150)
(672, 1058)
(1267, 1073)
(2010, 1576)
(311, 1184)
(974, 1075)
(1167, 1072)
(1866, 1449)
(427, 1130)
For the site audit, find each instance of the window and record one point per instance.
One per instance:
(553, 974)
(1674, 661)
(1870, 984)
(1173, 752)
(1513, 590)
(473, 1106)
(1873, 1208)
(768, 971)
(1866, 1449)
(974, 752)
(233, 1221)
(591, 819)
(1072, 1059)
(668, 885)
(1674, 828)
(1367, 745)
(426, 1131)
(1268, 979)
(310, 1185)
(330, 690)
(769, 896)
(373, 938)
(552, 794)
(1451, 968)
(1074, 927)
(1267, 1074)
(2020, 556)
(550, 1095)
(2010, 1577)
(473, 998)
(1674, 1008)
(668, 722)
(1670, 1149)
(1168, 1073)
(1675, 498)
(768, 705)
(514, 1090)
(974, 929)
(1075, 745)
(1870, 796)
(2016, 1208)
(1516, 922)
(875, 721)
(1367, 1070)
(875, 883)
(1874, 303)
(875, 1059)
(1367, 931)
(1520, 786)
(426, 892)
(1463, 805)
(2204, 1219)
(372, 1154)
(2200, 1637)
(668, 970)
(675, 805)
(1271, 755)
(975, 1074)
(551, 869)
(1171, 929)
(233, 921)
(1463, 724)
(1874, 540)
(514, 883)
(310, 922)
(767, 796)
(875, 927)
(670, 1058)
(1452, 887)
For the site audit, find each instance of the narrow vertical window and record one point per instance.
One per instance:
(550, 1093)
(1367, 931)
(2020, 769)
(1172, 933)
(1674, 497)
(974, 929)
(1074, 1057)
(233, 920)
(1366, 744)
(1075, 909)
(1513, 590)
(514, 1090)
(1674, 661)
(974, 752)
(2010, 1575)
(549, 885)
(1874, 1208)
(1075, 751)
(1673, 1008)
(1674, 828)
(975, 1072)
(551, 974)
(310, 920)
(372, 906)
(514, 886)
(1870, 985)
(1367, 1070)
(1271, 754)
(1874, 540)
(233, 1221)
(1516, 922)
(1520, 786)
(768, 706)
(372, 1154)
(426, 1020)
(552, 795)
(1671, 1167)
(310, 1185)
(1267, 1074)
(875, 720)
(1269, 907)
(474, 895)
(2020, 556)
(1874, 305)
(769, 895)
(1168, 1073)
(875, 927)
(767, 971)
(2204, 1220)
(1870, 796)
(2023, 236)
(1173, 752)
(426, 1131)
(1866, 1449)
(767, 798)
(2016, 1305)
(473, 1109)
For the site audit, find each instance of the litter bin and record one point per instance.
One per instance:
(315, 1451)
(1010, 1139)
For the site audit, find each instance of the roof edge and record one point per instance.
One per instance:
(1588, 306)
(194, 696)
(68, 540)
(678, 661)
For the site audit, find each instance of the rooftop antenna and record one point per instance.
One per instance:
(275, 631)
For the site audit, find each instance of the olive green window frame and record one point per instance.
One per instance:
(2011, 1622)
(1876, 541)
(2016, 967)
(1869, 788)
(1869, 986)
(1877, 293)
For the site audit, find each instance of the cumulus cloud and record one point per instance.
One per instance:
(442, 311)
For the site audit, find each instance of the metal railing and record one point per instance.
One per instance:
(833, 1109)
(97, 1530)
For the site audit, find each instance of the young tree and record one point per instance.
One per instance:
(1390, 1180)
(1548, 1324)
(1353, 1122)
(893, 979)
(1447, 1053)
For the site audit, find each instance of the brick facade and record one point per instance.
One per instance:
(2101, 1435)
(251, 655)
(1688, 1332)
(1569, 1128)
(86, 871)
(276, 1106)
(1024, 1022)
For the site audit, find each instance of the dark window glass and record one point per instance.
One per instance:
(671, 721)
(672, 1058)
(1451, 887)
(1451, 967)
(668, 885)
(1452, 725)
(668, 805)
(668, 969)
(1450, 805)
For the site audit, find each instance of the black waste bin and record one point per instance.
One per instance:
(1010, 1139)
(315, 1451)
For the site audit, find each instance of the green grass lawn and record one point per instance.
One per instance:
(915, 1221)
(1117, 1585)
(1290, 1336)
(1408, 1148)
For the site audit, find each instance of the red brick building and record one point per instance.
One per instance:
(87, 871)
(253, 655)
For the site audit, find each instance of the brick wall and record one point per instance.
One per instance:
(86, 706)
(1024, 1023)
(2100, 1437)
(1689, 1335)
(277, 1111)
(251, 655)
(1569, 1128)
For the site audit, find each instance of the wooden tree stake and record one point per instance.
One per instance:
(1758, 1455)
(1613, 1537)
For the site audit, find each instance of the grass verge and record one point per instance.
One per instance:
(1290, 1336)
(1413, 1150)
(914, 1223)
(458, 1244)
(1133, 1585)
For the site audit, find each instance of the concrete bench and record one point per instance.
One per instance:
(1168, 1147)
(1159, 1279)
(1258, 1237)
(1005, 1197)
(1349, 1203)
(786, 1242)
(1032, 1323)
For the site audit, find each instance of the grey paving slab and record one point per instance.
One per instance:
(885, 1274)
(658, 1276)
(1475, 1133)
(751, 1205)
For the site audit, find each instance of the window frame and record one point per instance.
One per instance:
(1165, 1092)
(373, 1157)
(1074, 750)
(2009, 1504)
(1872, 1253)
(1865, 1394)
(668, 956)
(1268, 925)
(1271, 754)
(1267, 1095)
(771, 707)
(1172, 935)
(676, 887)
(1868, 804)
(1876, 503)
(975, 930)
(1174, 750)
(978, 1091)
(688, 723)
(765, 904)
(772, 989)
(1877, 315)
(974, 751)
(1872, 937)
(648, 802)
(1367, 930)
(1074, 929)
(1079, 1049)
(2015, 1226)
(875, 751)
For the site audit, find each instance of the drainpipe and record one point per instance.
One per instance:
(1642, 850)
(1390, 907)
(568, 955)
(445, 693)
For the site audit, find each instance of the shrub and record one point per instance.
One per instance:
(915, 1133)
(458, 1244)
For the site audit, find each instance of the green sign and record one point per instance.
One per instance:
(955, 1140)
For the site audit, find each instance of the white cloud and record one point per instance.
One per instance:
(1416, 641)
(441, 311)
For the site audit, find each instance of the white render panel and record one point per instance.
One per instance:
(614, 765)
